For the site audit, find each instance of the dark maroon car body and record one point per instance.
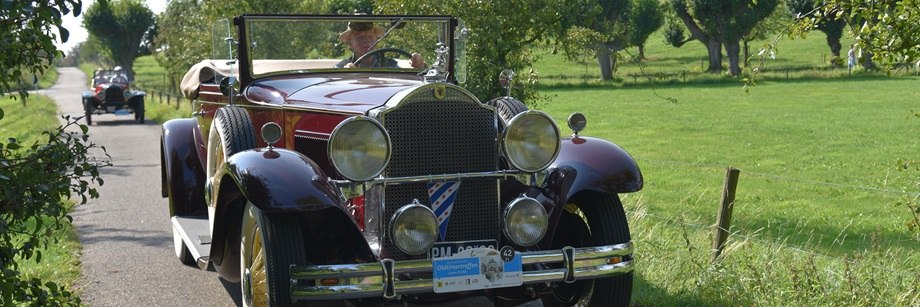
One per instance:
(208, 189)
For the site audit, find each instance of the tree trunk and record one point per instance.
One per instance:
(642, 51)
(867, 62)
(747, 54)
(713, 44)
(732, 49)
(834, 44)
(603, 60)
(714, 47)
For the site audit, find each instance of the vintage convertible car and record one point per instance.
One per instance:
(111, 93)
(306, 182)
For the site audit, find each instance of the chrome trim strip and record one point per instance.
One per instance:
(376, 280)
(432, 178)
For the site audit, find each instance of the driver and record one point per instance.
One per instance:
(99, 76)
(120, 76)
(360, 37)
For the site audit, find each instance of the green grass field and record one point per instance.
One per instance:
(819, 218)
(60, 262)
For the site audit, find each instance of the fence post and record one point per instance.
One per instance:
(725, 211)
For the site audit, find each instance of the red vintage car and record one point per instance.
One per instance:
(308, 173)
(111, 93)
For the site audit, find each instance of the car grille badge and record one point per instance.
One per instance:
(442, 196)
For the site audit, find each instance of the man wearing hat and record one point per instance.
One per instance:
(360, 37)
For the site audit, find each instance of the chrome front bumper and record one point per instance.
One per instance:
(379, 279)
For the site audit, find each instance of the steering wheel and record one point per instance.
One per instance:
(381, 51)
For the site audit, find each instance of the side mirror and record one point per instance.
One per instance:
(227, 86)
(505, 78)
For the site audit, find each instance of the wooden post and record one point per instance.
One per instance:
(725, 211)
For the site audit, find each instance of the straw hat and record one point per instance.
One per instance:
(354, 27)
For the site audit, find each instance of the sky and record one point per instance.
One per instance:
(75, 24)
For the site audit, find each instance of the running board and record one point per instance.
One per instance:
(195, 233)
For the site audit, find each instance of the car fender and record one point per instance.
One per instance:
(587, 163)
(279, 179)
(132, 94)
(181, 169)
(274, 180)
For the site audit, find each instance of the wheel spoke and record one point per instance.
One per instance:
(258, 277)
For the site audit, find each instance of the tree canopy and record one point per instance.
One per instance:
(722, 23)
(119, 26)
(36, 178)
(831, 25)
(885, 30)
(28, 31)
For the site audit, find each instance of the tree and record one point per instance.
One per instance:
(495, 43)
(178, 44)
(119, 26)
(35, 178)
(776, 22)
(645, 17)
(830, 24)
(607, 19)
(886, 30)
(28, 31)
(185, 28)
(722, 23)
(347, 6)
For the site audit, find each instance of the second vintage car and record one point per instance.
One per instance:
(339, 158)
(111, 93)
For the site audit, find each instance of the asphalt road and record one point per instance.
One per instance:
(128, 257)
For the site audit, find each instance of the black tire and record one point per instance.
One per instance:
(234, 128)
(269, 245)
(231, 132)
(592, 219)
(139, 111)
(88, 111)
(507, 107)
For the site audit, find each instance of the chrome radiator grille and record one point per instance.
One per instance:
(447, 136)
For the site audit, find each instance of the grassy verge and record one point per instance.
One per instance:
(817, 201)
(60, 262)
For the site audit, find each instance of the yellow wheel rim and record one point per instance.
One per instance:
(258, 278)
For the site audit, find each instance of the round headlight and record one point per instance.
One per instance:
(531, 141)
(525, 221)
(359, 148)
(414, 229)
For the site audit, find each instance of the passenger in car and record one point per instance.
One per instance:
(361, 37)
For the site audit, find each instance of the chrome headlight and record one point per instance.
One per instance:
(525, 221)
(359, 148)
(414, 229)
(531, 141)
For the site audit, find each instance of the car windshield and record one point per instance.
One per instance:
(284, 44)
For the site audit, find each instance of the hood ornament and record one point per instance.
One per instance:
(438, 71)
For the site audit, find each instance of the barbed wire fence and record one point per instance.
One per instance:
(747, 235)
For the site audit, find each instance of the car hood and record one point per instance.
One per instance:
(352, 93)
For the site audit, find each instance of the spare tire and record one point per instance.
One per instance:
(507, 107)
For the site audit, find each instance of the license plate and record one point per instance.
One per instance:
(474, 265)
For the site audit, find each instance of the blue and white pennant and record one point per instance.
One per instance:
(442, 196)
